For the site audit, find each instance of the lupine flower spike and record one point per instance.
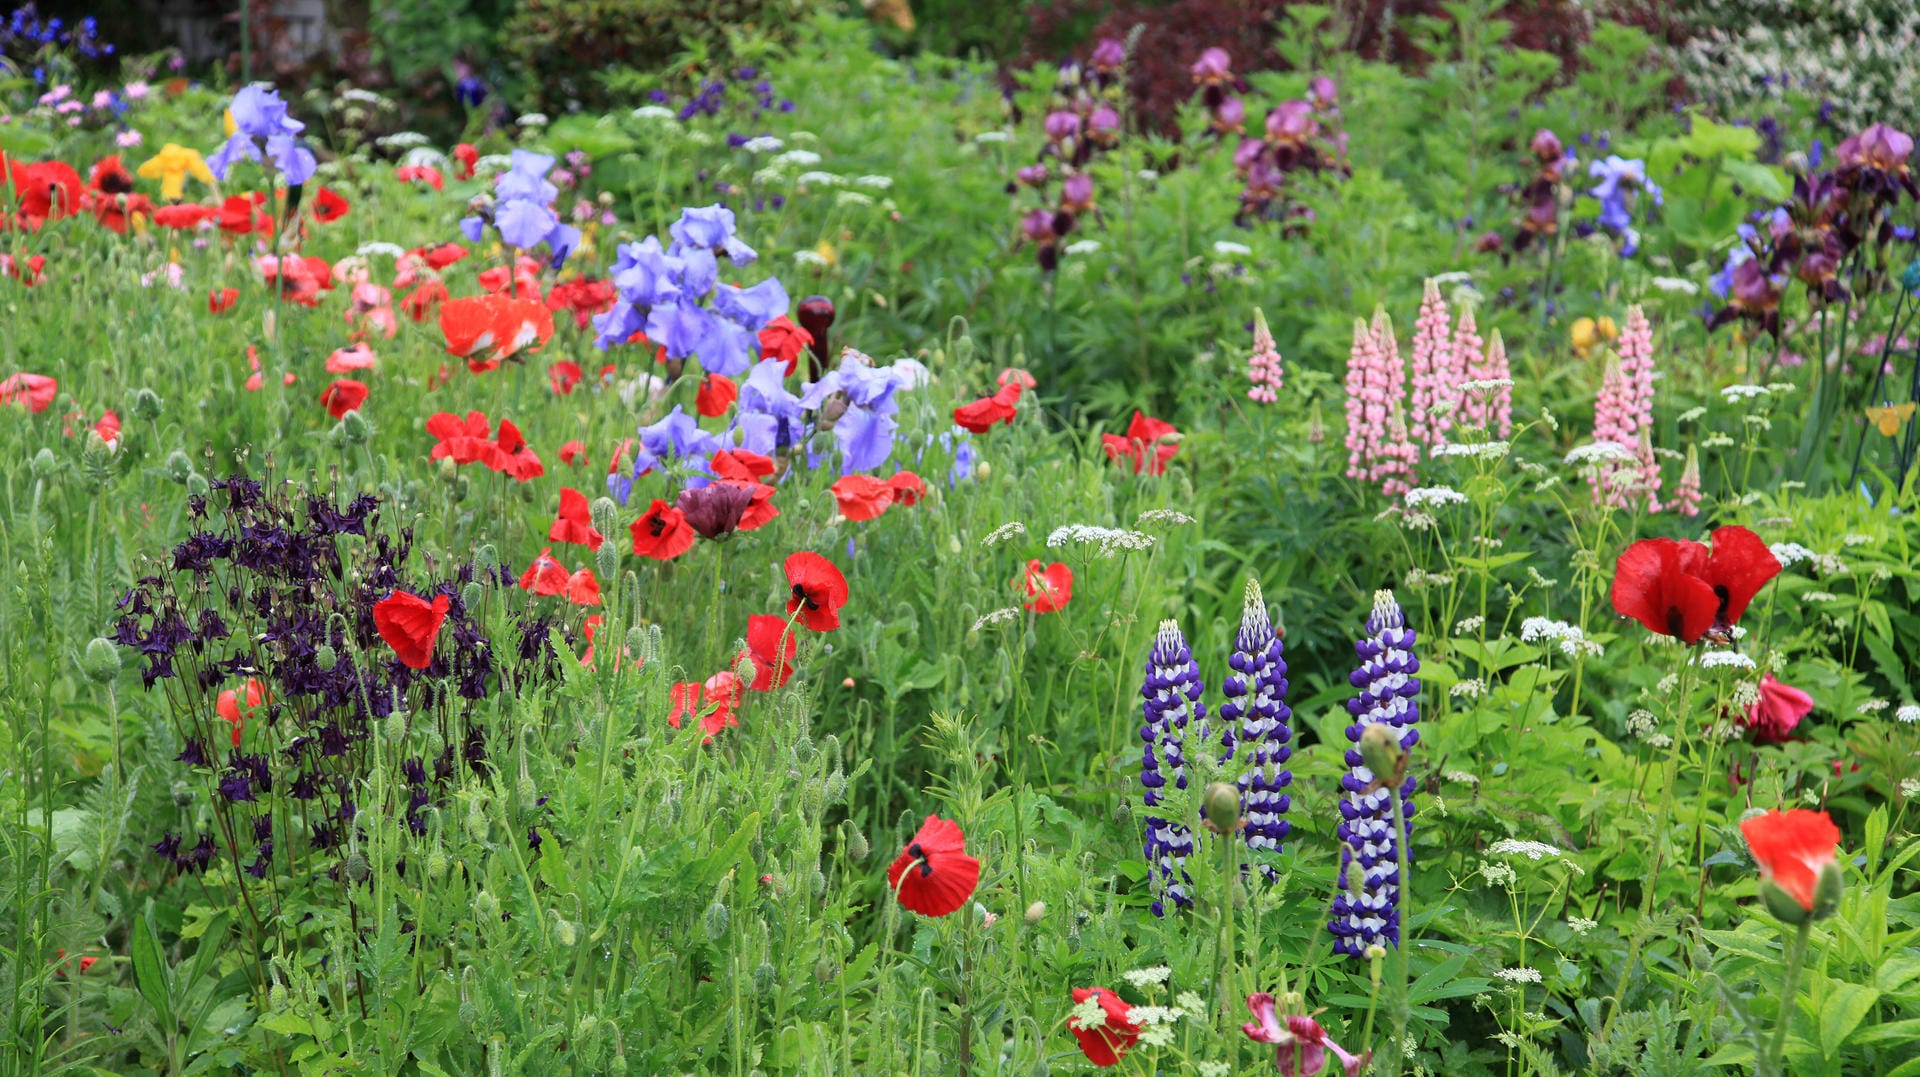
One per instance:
(1172, 699)
(1386, 692)
(1435, 384)
(1263, 366)
(1359, 364)
(1686, 496)
(1256, 694)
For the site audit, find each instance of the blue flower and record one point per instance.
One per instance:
(676, 437)
(1366, 908)
(709, 228)
(1256, 694)
(1171, 695)
(865, 437)
(680, 328)
(260, 119)
(525, 180)
(1619, 177)
(752, 307)
(523, 223)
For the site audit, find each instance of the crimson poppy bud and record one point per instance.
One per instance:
(101, 661)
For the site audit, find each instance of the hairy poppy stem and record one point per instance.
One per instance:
(1796, 957)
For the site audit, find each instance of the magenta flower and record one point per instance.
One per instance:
(1213, 67)
(1774, 715)
(1061, 125)
(1109, 54)
(1291, 123)
(1301, 1045)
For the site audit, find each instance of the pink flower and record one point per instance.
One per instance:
(1623, 415)
(1778, 710)
(1263, 366)
(1436, 377)
(1301, 1045)
(1686, 496)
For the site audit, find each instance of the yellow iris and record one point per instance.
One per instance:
(1582, 335)
(171, 166)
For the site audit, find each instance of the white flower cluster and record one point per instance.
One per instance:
(1422, 496)
(1908, 713)
(1110, 540)
(1532, 850)
(1734, 394)
(654, 112)
(1485, 385)
(1226, 248)
(1170, 517)
(1010, 529)
(1141, 979)
(1910, 787)
(809, 258)
(1083, 246)
(1725, 660)
(1572, 641)
(1675, 286)
(762, 144)
(1519, 976)
(1872, 706)
(1580, 925)
(1468, 689)
(986, 137)
(997, 617)
(854, 198)
(819, 179)
(1595, 453)
(1470, 625)
(391, 250)
(1478, 450)
(402, 140)
(1745, 56)
(798, 158)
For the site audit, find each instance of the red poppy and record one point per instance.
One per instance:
(465, 157)
(48, 191)
(423, 300)
(111, 197)
(351, 358)
(741, 465)
(1049, 589)
(469, 324)
(544, 576)
(981, 415)
(518, 461)
(662, 532)
(1774, 715)
(564, 375)
(343, 396)
(35, 263)
(444, 255)
(861, 497)
(573, 452)
(36, 391)
(584, 296)
(575, 523)
(583, 589)
(520, 323)
(228, 706)
(108, 429)
(1014, 375)
(1105, 1043)
(426, 174)
(712, 703)
(717, 394)
(241, 214)
(1682, 589)
(760, 509)
(716, 509)
(184, 216)
(771, 643)
(783, 340)
(521, 281)
(329, 206)
(907, 487)
(1149, 444)
(221, 300)
(410, 625)
(464, 440)
(1793, 848)
(818, 587)
(933, 875)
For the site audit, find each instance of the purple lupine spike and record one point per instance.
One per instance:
(1171, 697)
(1366, 909)
(1256, 694)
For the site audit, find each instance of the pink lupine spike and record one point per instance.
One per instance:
(1263, 366)
(1686, 496)
(1359, 365)
(1435, 392)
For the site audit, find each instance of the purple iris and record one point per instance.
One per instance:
(680, 328)
(752, 308)
(260, 119)
(1618, 179)
(709, 228)
(676, 437)
(524, 223)
(526, 179)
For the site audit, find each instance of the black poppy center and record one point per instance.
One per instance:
(657, 526)
(801, 596)
(915, 851)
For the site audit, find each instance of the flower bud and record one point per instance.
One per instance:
(146, 405)
(396, 727)
(178, 467)
(607, 560)
(357, 868)
(717, 921)
(1036, 912)
(857, 846)
(605, 513)
(825, 969)
(1380, 751)
(198, 486)
(447, 470)
(437, 864)
(43, 463)
(354, 428)
(471, 594)
(101, 661)
(486, 908)
(277, 996)
(765, 978)
(461, 487)
(1221, 806)
(324, 656)
(563, 931)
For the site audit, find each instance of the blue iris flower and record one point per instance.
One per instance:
(260, 122)
(1619, 177)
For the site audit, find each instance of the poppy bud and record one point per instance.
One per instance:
(636, 636)
(526, 790)
(1221, 805)
(447, 469)
(585, 1039)
(324, 656)
(486, 908)
(857, 846)
(146, 404)
(982, 470)
(1380, 751)
(44, 463)
(396, 727)
(1036, 911)
(101, 662)
(717, 921)
(766, 978)
(825, 970)
(563, 931)
(471, 594)
(460, 487)
(197, 485)
(803, 749)
(437, 864)
(477, 825)
(354, 428)
(277, 996)
(357, 868)
(469, 1013)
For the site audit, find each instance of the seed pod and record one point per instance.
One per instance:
(396, 727)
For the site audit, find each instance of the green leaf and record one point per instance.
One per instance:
(1843, 1011)
(1761, 181)
(150, 972)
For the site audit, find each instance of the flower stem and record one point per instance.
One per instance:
(1796, 956)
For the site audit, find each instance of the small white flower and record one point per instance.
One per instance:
(878, 183)
(1580, 925)
(1599, 452)
(993, 136)
(1479, 450)
(1213, 1069)
(1734, 394)
(1716, 441)
(1088, 1014)
(1910, 787)
(1142, 978)
(1855, 538)
(1519, 976)
(402, 140)
(821, 179)
(1908, 713)
(1675, 286)
(1819, 596)
(532, 119)
(1498, 874)
(1110, 540)
(997, 617)
(492, 162)
(1458, 276)
(810, 258)
(854, 198)
(1170, 517)
(1463, 777)
(1532, 850)
(1725, 659)
(1470, 625)
(1692, 414)
(802, 158)
(654, 112)
(1226, 248)
(391, 250)
(762, 144)
(1003, 533)
(1485, 385)
(1790, 553)
(365, 97)
(1083, 246)
(1470, 689)
(1423, 496)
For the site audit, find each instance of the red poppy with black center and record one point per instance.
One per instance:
(575, 523)
(583, 589)
(933, 875)
(783, 340)
(329, 206)
(1682, 589)
(771, 643)
(544, 576)
(564, 374)
(662, 532)
(907, 488)
(241, 214)
(1106, 1043)
(50, 190)
(111, 197)
(862, 497)
(818, 589)
(465, 441)
(221, 300)
(1148, 445)
(410, 625)
(343, 396)
(717, 394)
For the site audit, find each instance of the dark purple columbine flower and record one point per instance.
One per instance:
(1386, 692)
(1171, 697)
(1256, 694)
